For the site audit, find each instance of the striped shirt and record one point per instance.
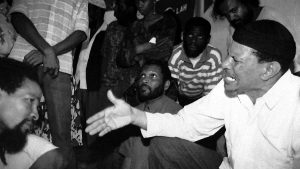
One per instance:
(196, 81)
(55, 20)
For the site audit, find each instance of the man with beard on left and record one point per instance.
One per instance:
(154, 80)
(19, 99)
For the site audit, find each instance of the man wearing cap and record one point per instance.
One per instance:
(258, 101)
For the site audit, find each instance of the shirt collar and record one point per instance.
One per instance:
(203, 55)
(274, 94)
(154, 103)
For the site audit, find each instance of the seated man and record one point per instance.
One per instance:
(257, 100)
(154, 80)
(194, 64)
(19, 98)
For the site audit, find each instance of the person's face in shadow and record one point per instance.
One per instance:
(145, 7)
(195, 40)
(236, 13)
(125, 13)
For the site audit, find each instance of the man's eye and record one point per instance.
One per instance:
(154, 76)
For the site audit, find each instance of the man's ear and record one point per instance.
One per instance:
(271, 70)
(167, 85)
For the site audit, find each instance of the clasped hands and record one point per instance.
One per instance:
(48, 58)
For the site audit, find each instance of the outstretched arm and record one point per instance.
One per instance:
(116, 116)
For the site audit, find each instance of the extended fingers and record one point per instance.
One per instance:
(96, 127)
(97, 116)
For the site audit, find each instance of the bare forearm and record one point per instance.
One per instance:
(27, 30)
(70, 42)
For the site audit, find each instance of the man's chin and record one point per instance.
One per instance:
(231, 93)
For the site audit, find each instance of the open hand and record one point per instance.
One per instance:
(111, 118)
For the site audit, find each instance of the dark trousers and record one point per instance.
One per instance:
(175, 153)
(57, 93)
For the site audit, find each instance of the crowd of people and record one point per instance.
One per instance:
(222, 96)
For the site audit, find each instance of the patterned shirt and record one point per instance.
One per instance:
(55, 20)
(196, 81)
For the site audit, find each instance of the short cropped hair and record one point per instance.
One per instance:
(198, 22)
(163, 68)
(13, 73)
(217, 14)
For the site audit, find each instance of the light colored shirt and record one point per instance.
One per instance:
(80, 75)
(264, 135)
(55, 20)
(34, 148)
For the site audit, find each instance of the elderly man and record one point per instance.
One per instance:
(257, 101)
(19, 99)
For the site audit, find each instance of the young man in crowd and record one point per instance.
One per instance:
(257, 101)
(241, 12)
(48, 32)
(194, 64)
(19, 99)
(154, 80)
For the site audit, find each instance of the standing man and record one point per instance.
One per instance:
(154, 80)
(48, 32)
(19, 99)
(257, 101)
(241, 12)
(194, 64)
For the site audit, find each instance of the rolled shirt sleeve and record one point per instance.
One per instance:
(195, 121)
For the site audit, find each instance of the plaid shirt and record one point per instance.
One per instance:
(55, 20)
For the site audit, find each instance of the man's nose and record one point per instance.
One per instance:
(35, 113)
(227, 63)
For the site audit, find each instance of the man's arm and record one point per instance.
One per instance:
(51, 160)
(70, 42)
(114, 117)
(28, 31)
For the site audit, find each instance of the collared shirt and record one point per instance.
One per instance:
(55, 20)
(162, 104)
(196, 81)
(265, 135)
(34, 148)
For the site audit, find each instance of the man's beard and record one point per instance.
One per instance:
(13, 140)
(152, 93)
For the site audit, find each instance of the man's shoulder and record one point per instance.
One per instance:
(177, 54)
(170, 105)
(213, 51)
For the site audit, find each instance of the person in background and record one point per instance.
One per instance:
(195, 64)
(257, 97)
(153, 82)
(290, 8)
(48, 31)
(7, 31)
(19, 100)
(153, 34)
(241, 12)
